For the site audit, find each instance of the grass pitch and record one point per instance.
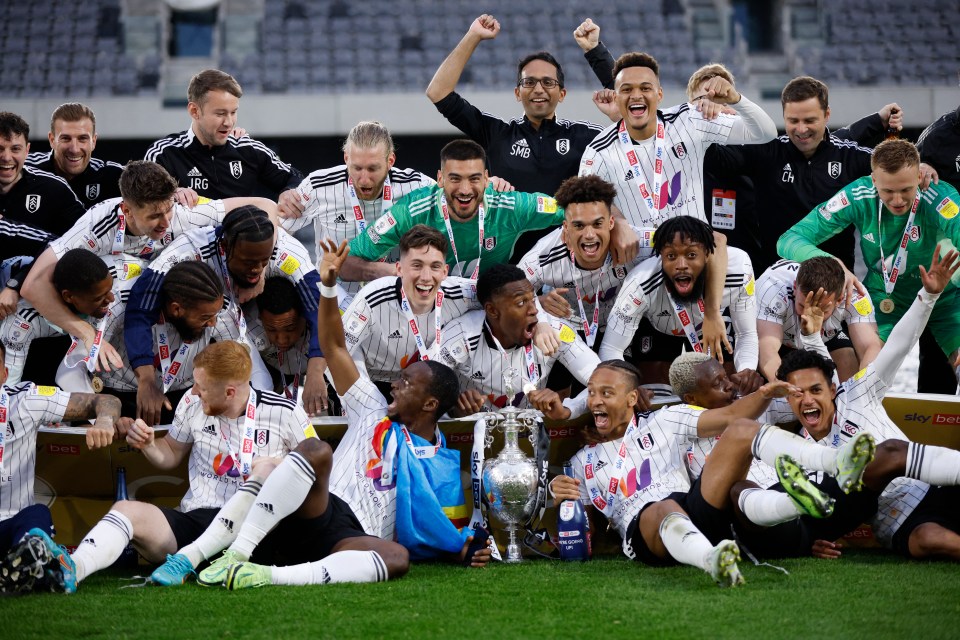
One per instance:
(866, 594)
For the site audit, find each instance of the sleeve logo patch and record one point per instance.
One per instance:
(948, 208)
(385, 223)
(45, 391)
(750, 287)
(863, 306)
(566, 334)
(288, 264)
(546, 205)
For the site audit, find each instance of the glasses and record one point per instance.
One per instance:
(546, 83)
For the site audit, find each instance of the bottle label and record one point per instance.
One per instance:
(567, 510)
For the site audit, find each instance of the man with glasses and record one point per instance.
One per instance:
(534, 153)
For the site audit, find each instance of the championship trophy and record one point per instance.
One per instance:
(511, 479)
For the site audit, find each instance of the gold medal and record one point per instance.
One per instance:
(97, 383)
(886, 305)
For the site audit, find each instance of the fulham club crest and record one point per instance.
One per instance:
(262, 437)
(93, 190)
(33, 202)
(236, 169)
(490, 243)
(680, 151)
(563, 146)
(834, 168)
(645, 441)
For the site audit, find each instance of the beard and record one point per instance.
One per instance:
(187, 333)
(696, 292)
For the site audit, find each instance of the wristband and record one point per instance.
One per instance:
(328, 292)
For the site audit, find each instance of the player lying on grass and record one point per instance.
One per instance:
(381, 471)
(911, 493)
(638, 479)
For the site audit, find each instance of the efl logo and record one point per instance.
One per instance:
(946, 418)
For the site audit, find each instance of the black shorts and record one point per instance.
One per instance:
(188, 525)
(652, 345)
(297, 540)
(940, 506)
(839, 341)
(794, 539)
(712, 522)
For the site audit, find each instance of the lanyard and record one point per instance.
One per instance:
(244, 461)
(590, 331)
(90, 360)
(686, 323)
(593, 485)
(358, 210)
(389, 455)
(228, 285)
(296, 376)
(529, 363)
(4, 409)
(481, 214)
(650, 197)
(417, 336)
(889, 281)
(169, 370)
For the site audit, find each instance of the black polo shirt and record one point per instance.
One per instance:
(939, 146)
(98, 182)
(240, 168)
(530, 159)
(43, 200)
(787, 186)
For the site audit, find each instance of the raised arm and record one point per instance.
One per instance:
(445, 79)
(342, 368)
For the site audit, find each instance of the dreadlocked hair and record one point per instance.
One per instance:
(79, 270)
(191, 282)
(688, 228)
(683, 374)
(249, 223)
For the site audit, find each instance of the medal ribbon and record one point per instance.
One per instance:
(228, 285)
(244, 461)
(412, 320)
(594, 490)
(686, 323)
(296, 376)
(590, 331)
(529, 363)
(651, 198)
(358, 210)
(168, 369)
(4, 410)
(889, 281)
(481, 214)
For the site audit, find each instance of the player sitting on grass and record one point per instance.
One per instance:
(642, 485)
(25, 526)
(911, 489)
(221, 416)
(392, 478)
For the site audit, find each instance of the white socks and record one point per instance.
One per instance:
(103, 545)
(684, 541)
(767, 508)
(282, 494)
(223, 530)
(343, 566)
(933, 465)
(771, 441)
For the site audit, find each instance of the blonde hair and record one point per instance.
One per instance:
(369, 135)
(227, 361)
(683, 375)
(703, 74)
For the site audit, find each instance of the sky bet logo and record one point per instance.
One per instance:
(937, 418)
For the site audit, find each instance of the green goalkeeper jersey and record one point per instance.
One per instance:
(858, 205)
(506, 216)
